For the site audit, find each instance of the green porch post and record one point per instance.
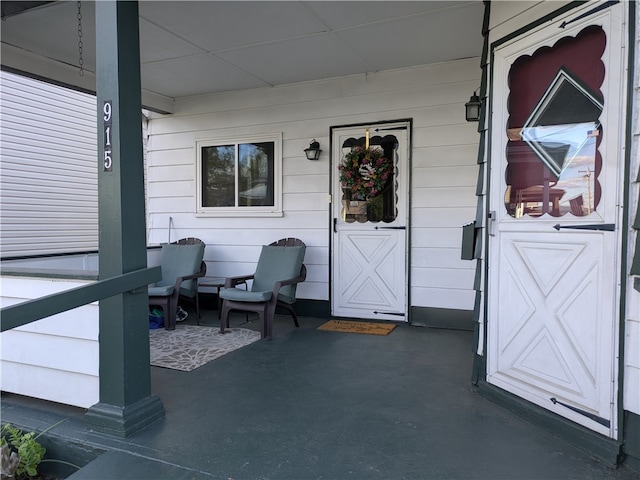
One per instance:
(126, 404)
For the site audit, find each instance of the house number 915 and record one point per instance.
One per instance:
(107, 115)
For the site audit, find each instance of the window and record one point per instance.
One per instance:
(554, 131)
(361, 201)
(240, 177)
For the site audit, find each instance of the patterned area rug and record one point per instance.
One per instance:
(189, 347)
(349, 326)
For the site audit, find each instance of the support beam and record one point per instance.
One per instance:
(31, 64)
(126, 404)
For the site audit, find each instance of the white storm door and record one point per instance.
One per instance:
(554, 243)
(369, 240)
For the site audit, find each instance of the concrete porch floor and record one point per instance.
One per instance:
(322, 405)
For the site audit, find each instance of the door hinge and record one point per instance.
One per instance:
(609, 227)
(389, 313)
(330, 199)
(595, 418)
(602, 6)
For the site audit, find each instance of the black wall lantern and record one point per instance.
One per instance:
(313, 152)
(472, 108)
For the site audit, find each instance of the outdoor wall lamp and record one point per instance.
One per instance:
(313, 152)
(472, 108)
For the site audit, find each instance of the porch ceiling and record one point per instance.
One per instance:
(194, 48)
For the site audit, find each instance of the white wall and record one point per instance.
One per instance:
(48, 173)
(444, 171)
(55, 358)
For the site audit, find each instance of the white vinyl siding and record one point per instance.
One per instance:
(55, 358)
(631, 400)
(444, 172)
(48, 173)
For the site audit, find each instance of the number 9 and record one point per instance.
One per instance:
(107, 111)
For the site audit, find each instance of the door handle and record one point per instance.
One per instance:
(491, 220)
(609, 227)
(390, 228)
(335, 225)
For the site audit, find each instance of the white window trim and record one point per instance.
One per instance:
(268, 211)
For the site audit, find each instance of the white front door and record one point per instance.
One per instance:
(554, 243)
(370, 220)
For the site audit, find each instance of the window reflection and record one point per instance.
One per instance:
(569, 153)
(255, 174)
(238, 175)
(218, 176)
(553, 158)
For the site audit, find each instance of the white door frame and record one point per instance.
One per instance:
(385, 233)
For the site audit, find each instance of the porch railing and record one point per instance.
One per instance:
(26, 312)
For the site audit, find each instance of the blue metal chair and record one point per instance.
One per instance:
(277, 274)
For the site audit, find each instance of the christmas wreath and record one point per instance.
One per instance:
(365, 172)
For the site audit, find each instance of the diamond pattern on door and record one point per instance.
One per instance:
(579, 323)
(367, 246)
(548, 265)
(367, 293)
(519, 306)
(543, 359)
